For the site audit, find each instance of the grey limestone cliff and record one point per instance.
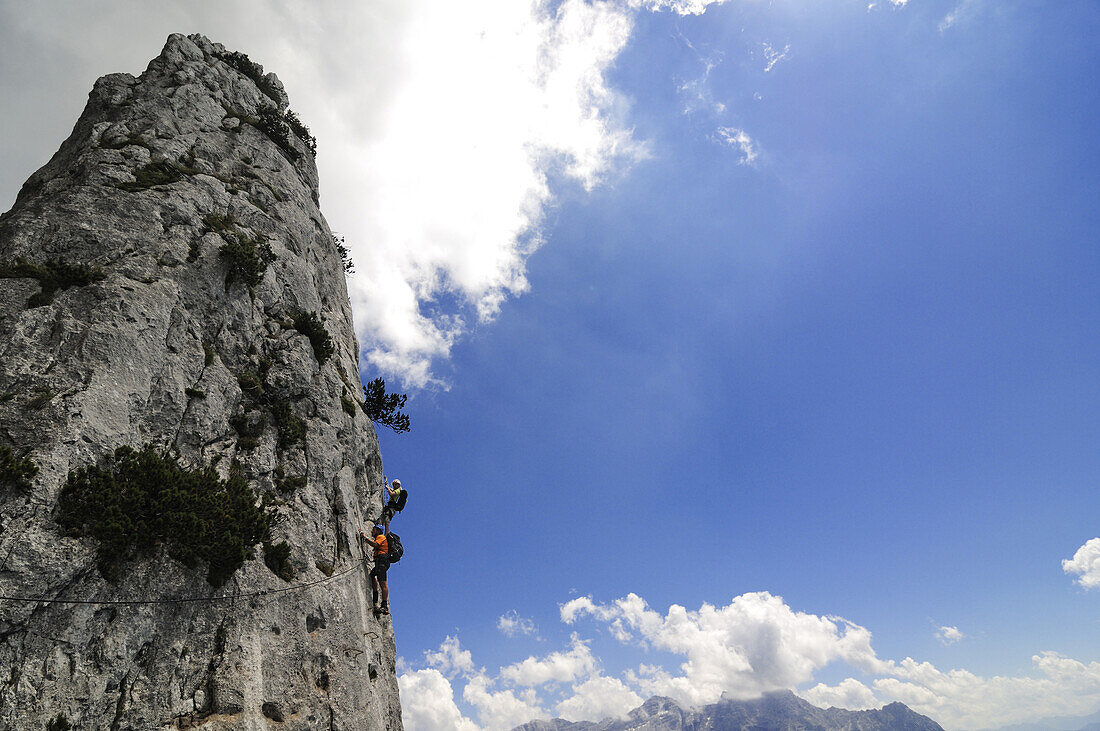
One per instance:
(165, 339)
(779, 711)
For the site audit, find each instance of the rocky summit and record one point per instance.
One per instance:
(184, 464)
(779, 711)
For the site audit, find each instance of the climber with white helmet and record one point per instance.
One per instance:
(396, 501)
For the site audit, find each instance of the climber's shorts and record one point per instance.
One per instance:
(379, 570)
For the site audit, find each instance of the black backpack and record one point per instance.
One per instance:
(399, 505)
(396, 549)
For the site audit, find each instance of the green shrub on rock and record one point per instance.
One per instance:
(41, 398)
(272, 124)
(152, 174)
(16, 472)
(291, 429)
(247, 258)
(137, 500)
(310, 325)
(301, 131)
(52, 275)
(251, 384)
(286, 484)
(59, 723)
(252, 70)
(249, 430)
(277, 558)
(345, 253)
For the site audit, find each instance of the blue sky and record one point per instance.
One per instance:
(812, 314)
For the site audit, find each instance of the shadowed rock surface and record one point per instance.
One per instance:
(161, 172)
(780, 711)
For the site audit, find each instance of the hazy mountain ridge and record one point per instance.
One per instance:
(1090, 722)
(779, 711)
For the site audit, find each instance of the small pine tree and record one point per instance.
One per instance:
(385, 408)
(345, 253)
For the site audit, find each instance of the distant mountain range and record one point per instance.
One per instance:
(779, 711)
(1059, 723)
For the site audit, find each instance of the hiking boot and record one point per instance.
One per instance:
(385, 609)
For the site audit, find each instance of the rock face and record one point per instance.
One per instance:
(161, 172)
(781, 711)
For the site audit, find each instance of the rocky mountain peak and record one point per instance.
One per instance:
(775, 710)
(182, 450)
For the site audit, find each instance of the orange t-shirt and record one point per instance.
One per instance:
(383, 550)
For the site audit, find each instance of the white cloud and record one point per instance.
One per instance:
(849, 693)
(446, 198)
(427, 703)
(949, 20)
(575, 608)
(958, 698)
(752, 645)
(598, 698)
(501, 709)
(773, 56)
(682, 7)
(949, 635)
(895, 3)
(612, 615)
(450, 659)
(961, 699)
(961, 12)
(696, 96)
(739, 140)
(1085, 562)
(567, 666)
(513, 625)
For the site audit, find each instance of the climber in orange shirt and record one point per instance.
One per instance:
(381, 547)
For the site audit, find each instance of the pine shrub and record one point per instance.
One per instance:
(275, 126)
(249, 430)
(291, 429)
(277, 558)
(345, 253)
(310, 325)
(52, 275)
(301, 131)
(152, 174)
(252, 70)
(139, 499)
(16, 472)
(384, 408)
(59, 723)
(247, 258)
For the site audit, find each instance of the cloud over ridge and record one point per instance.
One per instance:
(753, 644)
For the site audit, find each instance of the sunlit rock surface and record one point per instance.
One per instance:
(151, 353)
